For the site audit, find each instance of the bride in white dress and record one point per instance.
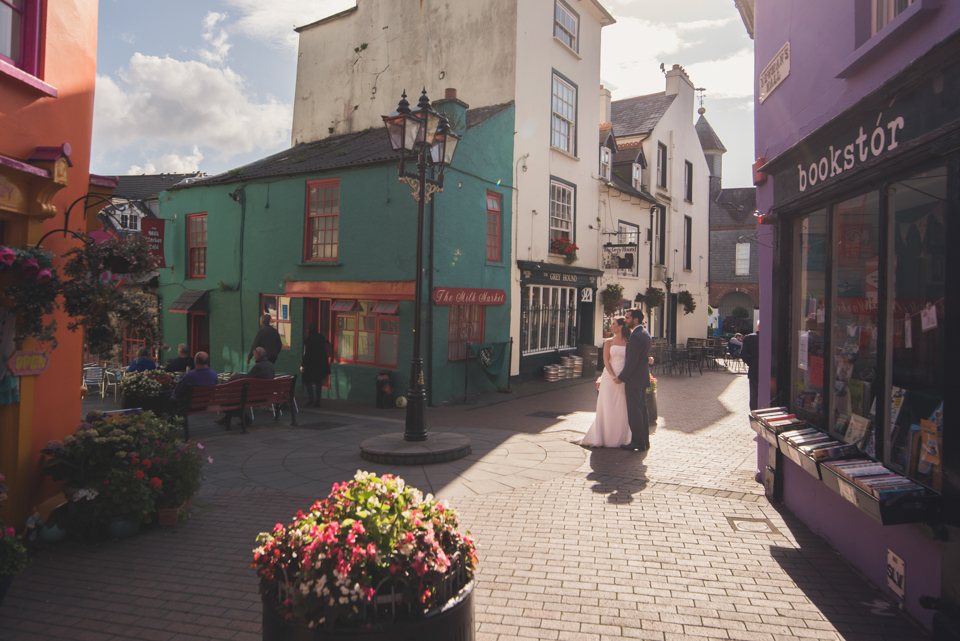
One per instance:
(611, 428)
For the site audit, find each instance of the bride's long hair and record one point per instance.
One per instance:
(624, 330)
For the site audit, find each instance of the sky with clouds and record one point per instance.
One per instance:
(186, 85)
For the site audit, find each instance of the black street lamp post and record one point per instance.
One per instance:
(423, 134)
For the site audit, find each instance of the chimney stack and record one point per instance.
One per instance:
(450, 94)
(605, 98)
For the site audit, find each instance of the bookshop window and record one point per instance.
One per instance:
(808, 314)
(856, 265)
(918, 333)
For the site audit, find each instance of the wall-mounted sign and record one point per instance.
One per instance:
(895, 574)
(467, 296)
(152, 230)
(620, 256)
(774, 73)
(586, 295)
(28, 363)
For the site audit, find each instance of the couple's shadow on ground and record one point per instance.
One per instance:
(618, 473)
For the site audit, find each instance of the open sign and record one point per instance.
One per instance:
(28, 363)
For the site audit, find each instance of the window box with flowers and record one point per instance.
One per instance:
(565, 249)
(374, 560)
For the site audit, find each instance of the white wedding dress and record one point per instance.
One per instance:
(611, 428)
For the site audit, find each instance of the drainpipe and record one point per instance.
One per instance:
(240, 195)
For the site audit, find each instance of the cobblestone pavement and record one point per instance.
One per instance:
(575, 543)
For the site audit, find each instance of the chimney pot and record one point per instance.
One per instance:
(676, 66)
(450, 94)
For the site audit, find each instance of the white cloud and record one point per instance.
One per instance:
(731, 77)
(273, 23)
(128, 37)
(635, 69)
(218, 49)
(172, 163)
(696, 25)
(162, 103)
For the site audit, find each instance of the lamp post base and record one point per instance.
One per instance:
(394, 449)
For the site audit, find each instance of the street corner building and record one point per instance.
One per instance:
(857, 174)
(324, 233)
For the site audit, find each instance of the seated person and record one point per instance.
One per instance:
(735, 345)
(262, 368)
(200, 376)
(143, 362)
(182, 362)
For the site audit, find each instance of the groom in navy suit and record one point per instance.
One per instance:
(636, 376)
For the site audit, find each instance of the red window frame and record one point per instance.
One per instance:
(28, 52)
(493, 226)
(465, 325)
(131, 344)
(197, 246)
(321, 231)
(366, 321)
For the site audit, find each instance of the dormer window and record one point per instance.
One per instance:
(605, 163)
(637, 176)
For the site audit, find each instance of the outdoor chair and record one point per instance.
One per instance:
(93, 377)
(113, 380)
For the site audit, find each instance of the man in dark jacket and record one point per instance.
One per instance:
(750, 354)
(635, 375)
(182, 362)
(268, 338)
(200, 376)
(262, 368)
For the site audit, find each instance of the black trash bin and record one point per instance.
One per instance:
(385, 389)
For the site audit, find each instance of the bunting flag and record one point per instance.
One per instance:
(491, 358)
(922, 227)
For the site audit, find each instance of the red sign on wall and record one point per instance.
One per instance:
(467, 296)
(28, 363)
(152, 230)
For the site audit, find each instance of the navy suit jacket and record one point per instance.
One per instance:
(750, 353)
(636, 370)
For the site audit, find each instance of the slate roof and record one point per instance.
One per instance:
(639, 115)
(360, 148)
(739, 203)
(709, 141)
(147, 186)
(628, 156)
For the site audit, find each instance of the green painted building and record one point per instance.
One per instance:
(325, 233)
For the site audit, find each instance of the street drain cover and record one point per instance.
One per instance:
(752, 526)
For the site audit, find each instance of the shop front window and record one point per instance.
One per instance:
(548, 318)
(918, 367)
(367, 332)
(854, 326)
(808, 315)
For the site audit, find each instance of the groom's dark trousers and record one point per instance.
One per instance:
(636, 376)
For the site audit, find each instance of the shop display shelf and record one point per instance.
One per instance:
(896, 511)
(808, 463)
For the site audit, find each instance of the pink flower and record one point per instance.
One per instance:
(7, 256)
(9, 532)
(209, 459)
(29, 268)
(44, 276)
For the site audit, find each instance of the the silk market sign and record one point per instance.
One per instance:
(467, 296)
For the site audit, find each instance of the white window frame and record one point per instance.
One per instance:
(637, 176)
(564, 18)
(629, 234)
(662, 165)
(883, 12)
(688, 181)
(687, 243)
(605, 162)
(563, 210)
(742, 263)
(541, 337)
(563, 121)
(659, 250)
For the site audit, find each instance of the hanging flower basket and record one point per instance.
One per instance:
(654, 297)
(612, 298)
(34, 291)
(563, 247)
(685, 298)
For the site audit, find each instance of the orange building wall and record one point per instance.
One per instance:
(29, 119)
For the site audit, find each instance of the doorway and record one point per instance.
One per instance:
(199, 333)
(673, 319)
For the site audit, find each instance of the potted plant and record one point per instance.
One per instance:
(654, 297)
(612, 298)
(13, 554)
(34, 293)
(150, 390)
(564, 248)
(182, 472)
(685, 298)
(129, 497)
(652, 400)
(374, 560)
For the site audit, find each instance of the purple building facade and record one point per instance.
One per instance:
(857, 129)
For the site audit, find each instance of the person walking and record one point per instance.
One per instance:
(636, 378)
(315, 364)
(750, 355)
(611, 427)
(268, 338)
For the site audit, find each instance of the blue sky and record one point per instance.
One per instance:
(209, 85)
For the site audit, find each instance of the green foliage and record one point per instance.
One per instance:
(94, 299)
(685, 298)
(740, 312)
(653, 297)
(13, 554)
(34, 291)
(612, 298)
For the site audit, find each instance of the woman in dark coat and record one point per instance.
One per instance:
(315, 365)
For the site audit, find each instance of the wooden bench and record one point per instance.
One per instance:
(238, 396)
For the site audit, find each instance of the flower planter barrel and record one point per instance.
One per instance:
(454, 622)
(652, 407)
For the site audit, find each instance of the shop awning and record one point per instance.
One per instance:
(190, 302)
(386, 307)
